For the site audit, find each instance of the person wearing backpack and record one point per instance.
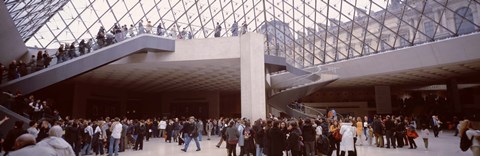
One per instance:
(469, 138)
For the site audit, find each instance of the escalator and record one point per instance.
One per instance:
(7, 125)
(49, 76)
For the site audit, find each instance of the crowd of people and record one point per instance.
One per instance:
(323, 135)
(30, 107)
(273, 136)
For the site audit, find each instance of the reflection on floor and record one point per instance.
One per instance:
(445, 145)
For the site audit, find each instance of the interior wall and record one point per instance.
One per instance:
(168, 100)
(11, 42)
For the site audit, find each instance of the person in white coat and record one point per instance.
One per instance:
(25, 145)
(162, 126)
(57, 143)
(348, 132)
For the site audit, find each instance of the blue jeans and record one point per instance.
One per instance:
(86, 148)
(110, 147)
(188, 139)
(259, 150)
(200, 135)
(365, 132)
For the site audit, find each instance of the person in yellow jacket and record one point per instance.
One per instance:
(360, 135)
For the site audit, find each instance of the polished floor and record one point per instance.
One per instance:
(445, 145)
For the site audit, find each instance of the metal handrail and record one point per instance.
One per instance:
(93, 47)
(309, 111)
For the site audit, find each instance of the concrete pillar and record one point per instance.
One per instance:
(214, 105)
(453, 95)
(80, 101)
(383, 100)
(476, 97)
(252, 75)
(11, 42)
(165, 104)
(123, 104)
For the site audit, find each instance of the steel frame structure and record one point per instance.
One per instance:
(306, 32)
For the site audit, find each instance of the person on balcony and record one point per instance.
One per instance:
(234, 28)
(141, 29)
(149, 27)
(218, 30)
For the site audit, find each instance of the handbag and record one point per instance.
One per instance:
(337, 136)
(233, 141)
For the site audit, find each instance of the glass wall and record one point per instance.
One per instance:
(306, 32)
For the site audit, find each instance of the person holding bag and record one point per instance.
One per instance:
(232, 136)
(412, 134)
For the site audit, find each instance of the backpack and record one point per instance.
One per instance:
(195, 130)
(465, 143)
(323, 144)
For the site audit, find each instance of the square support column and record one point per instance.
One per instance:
(252, 75)
(80, 96)
(453, 98)
(383, 100)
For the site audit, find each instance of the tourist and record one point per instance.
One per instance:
(191, 132)
(348, 132)
(232, 136)
(244, 28)
(218, 30)
(294, 139)
(234, 28)
(141, 29)
(33, 129)
(209, 128)
(412, 134)
(116, 129)
(162, 126)
(473, 134)
(308, 134)
(425, 134)
(436, 123)
(9, 142)
(277, 140)
(56, 142)
(25, 144)
(149, 27)
(360, 132)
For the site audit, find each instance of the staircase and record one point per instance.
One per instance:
(7, 125)
(292, 84)
(51, 75)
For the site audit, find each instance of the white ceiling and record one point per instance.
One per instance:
(224, 75)
(205, 75)
(422, 76)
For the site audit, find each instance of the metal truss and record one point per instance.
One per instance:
(306, 32)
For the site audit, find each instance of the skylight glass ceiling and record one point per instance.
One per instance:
(30, 15)
(307, 32)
